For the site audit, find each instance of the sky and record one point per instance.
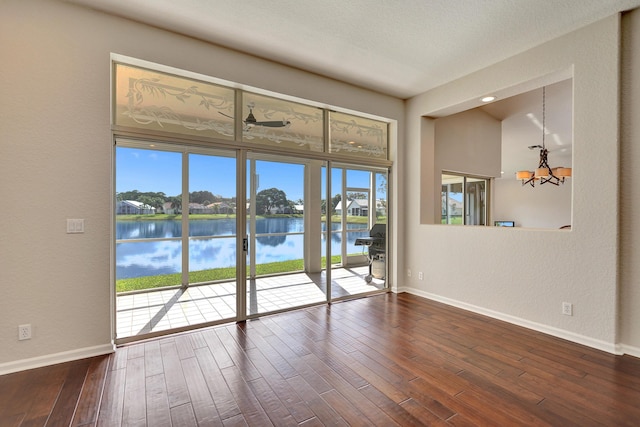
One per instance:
(161, 171)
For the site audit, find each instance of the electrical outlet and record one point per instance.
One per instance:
(567, 309)
(24, 332)
(420, 275)
(408, 272)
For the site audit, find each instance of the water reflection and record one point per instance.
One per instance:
(135, 259)
(126, 230)
(147, 259)
(272, 241)
(147, 229)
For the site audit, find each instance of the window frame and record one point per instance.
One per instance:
(465, 210)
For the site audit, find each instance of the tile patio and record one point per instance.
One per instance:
(161, 310)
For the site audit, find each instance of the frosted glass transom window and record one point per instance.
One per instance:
(281, 123)
(158, 102)
(357, 136)
(161, 102)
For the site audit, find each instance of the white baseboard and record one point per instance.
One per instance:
(550, 330)
(53, 359)
(630, 350)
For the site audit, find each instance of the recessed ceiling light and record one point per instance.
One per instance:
(488, 99)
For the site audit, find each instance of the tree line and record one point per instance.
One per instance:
(159, 199)
(267, 201)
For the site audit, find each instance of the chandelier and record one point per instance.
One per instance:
(543, 173)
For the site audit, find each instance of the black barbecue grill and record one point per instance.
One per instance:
(376, 246)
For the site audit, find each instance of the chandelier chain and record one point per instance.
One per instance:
(543, 115)
(544, 173)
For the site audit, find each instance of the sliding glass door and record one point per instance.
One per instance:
(205, 236)
(148, 250)
(358, 215)
(175, 227)
(212, 228)
(277, 219)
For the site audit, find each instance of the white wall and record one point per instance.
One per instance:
(55, 163)
(524, 275)
(545, 206)
(56, 154)
(629, 193)
(468, 142)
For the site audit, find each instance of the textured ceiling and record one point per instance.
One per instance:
(397, 47)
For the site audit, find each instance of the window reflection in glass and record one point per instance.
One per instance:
(464, 200)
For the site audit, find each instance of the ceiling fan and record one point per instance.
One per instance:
(251, 120)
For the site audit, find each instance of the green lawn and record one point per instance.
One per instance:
(454, 220)
(163, 280)
(215, 274)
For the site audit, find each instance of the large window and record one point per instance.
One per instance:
(221, 189)
(507, 141)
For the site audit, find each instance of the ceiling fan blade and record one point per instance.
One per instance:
(251, 121)
(273, 124)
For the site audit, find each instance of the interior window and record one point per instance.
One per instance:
(464, 200)
(523, 144)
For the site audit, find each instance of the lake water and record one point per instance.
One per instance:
(214, 245)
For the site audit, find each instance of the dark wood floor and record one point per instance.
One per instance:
(385, 360)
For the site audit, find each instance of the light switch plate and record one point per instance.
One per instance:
(75, 226)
